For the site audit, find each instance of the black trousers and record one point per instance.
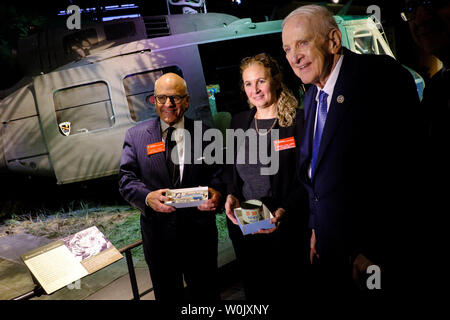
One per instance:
(270, 268)
(181, 245)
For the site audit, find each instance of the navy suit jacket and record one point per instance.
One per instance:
(184, 241)
(141, 173)
(362, 180)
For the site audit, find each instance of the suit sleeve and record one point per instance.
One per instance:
(215, 174)
(296, 202)
(131, 186)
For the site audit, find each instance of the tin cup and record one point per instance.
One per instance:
(251, 211)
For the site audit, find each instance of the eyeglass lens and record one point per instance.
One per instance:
(163, 98)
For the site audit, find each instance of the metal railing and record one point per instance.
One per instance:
(38, 290)
(133, 281)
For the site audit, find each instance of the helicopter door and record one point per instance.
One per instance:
(78, 121)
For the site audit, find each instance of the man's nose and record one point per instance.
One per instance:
(170, 102)
(295, 56)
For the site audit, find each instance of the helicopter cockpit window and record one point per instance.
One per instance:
(83, 108)
(139, 88)
(116, 31)
(364, 42)
(222, 74)
(380, 48)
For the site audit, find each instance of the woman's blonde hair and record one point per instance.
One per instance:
(286, 102)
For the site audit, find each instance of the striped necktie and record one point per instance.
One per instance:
(174, 169)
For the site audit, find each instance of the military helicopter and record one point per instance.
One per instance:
(70, 119)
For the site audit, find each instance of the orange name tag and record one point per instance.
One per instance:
(155, 148)
(283, 144)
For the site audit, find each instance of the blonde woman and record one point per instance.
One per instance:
(273, 117)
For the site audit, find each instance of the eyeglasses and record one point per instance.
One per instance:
(161, 98)
(409, 12)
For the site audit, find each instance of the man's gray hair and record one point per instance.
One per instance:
(320, 17)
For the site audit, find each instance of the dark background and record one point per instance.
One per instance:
(18, 18)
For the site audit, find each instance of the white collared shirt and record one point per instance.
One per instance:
(329, 89)
(178, 134)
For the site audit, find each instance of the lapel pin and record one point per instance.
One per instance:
(340, 99)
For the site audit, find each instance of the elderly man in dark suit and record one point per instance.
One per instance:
(177, 242)
(356, 155)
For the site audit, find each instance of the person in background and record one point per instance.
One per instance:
(429, 25)
(273, 109)
(357, 158)
(178, 243)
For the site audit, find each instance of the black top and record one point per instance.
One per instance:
(284, 180)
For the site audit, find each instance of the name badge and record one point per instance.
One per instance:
(283, 144)
(156, 148)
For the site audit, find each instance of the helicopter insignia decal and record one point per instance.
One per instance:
(65, 128)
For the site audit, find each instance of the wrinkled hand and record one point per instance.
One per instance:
(231, 203)
(312, 248)
(277, 217)
(213, 201)
(155, 200)
(359, 273)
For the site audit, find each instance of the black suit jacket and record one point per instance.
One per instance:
(361, 189)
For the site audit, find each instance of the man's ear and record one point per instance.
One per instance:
(188, 101)
(334, 38)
